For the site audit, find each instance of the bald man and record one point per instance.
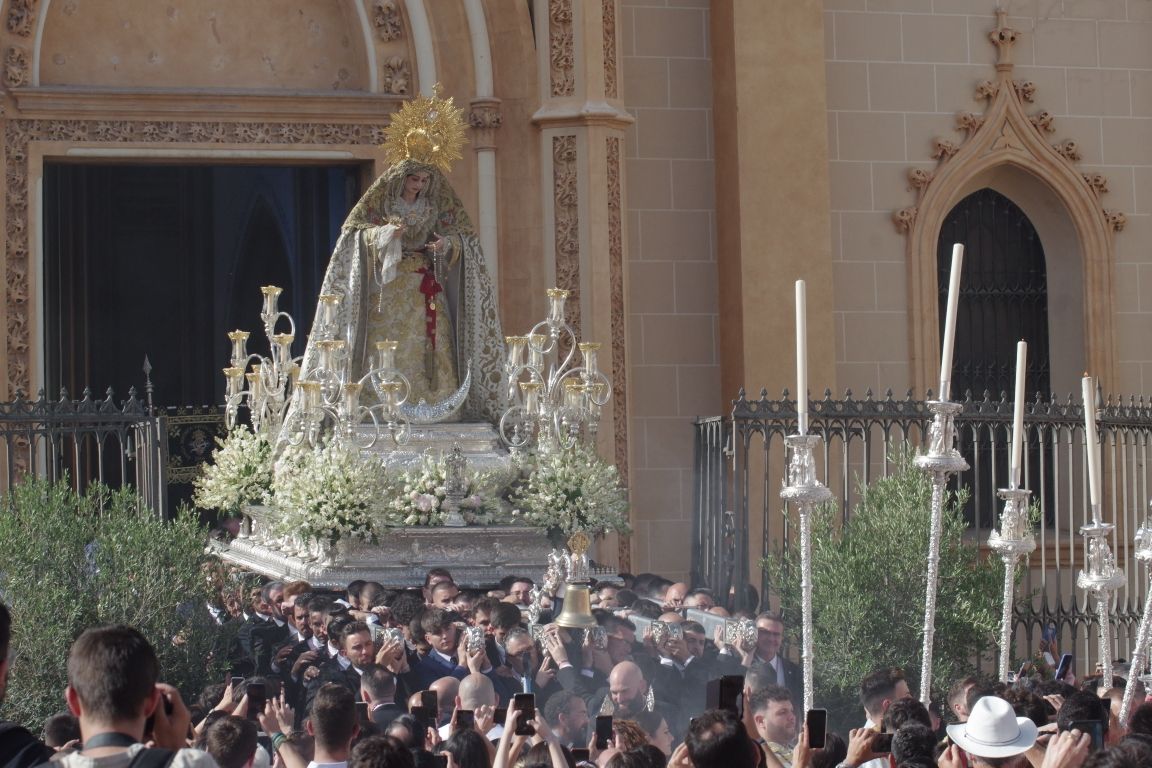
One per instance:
(674, 597)
(478, 695)
(629, 693)
(446, 689)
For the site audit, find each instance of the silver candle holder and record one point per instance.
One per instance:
(803, 489)
(1140, 652)
(1013, 541)
(1101, 577)
(455, 487)
(940, 460)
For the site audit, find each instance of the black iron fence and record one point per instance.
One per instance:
(86, 441)
(740, 462)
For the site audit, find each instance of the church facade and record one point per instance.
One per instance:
(675, 164)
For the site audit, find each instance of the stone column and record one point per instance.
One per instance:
(582, 122)
(772, 221)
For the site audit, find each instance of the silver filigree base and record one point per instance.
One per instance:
(476, 555)
(1143, 553)
(1101, 578)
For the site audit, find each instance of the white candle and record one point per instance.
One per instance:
(950, 322)
(1090, 444)
(1018, 415)
(801, 360)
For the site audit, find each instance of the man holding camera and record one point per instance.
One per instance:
(113, 690)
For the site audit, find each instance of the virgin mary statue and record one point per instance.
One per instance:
(408, 269)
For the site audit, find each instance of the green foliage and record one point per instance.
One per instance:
(70, 562)
(868, 585)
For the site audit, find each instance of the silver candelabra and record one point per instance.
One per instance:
(804, 489)
(1101, 578)
(554, 402)
(1013, 541)
(1140, 652)
(940, 460)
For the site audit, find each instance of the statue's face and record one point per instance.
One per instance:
(415, 183)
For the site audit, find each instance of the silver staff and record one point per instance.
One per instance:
(804, 489)
(941, 459)
(1140, 653)
(1101, 577)
(1013, 540)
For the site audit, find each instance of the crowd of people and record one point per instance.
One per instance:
(442, 676)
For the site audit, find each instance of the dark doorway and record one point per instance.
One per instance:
(1003, 299)
(163, 261)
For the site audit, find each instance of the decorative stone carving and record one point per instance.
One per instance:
(919, 177)
(484, 117)
(1025, 89)
(1003, 37)
(942, 149)
(561, 55)
(567, 223)
(904, 218)
(1097, 181)
(1116, 219)
(1068, 149)
(969, 122)
(16, 73)
(1043, 121)
(987, 89)
(397, 76)
(611, 89)
(386, 18)
(1007, 139)
(18, 133)
(619, 338)
(22, 17)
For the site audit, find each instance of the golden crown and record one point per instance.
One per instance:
(429, 130)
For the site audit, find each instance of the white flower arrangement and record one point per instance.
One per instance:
(416, 496)
(572, 490)
(240, 473)
(326, 494)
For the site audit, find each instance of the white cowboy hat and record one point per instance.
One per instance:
(993, 730)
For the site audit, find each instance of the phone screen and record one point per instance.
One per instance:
(236, 682)
(500, 715)
(603, 731)
(882, 743)
(465, 720)
(580, 754)
(526, 704)
(1063, 667)
(428, 701)
(1093, 727)
(817, 722)
(257, 698)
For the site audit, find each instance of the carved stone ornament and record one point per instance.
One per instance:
(397, 76)
(22, 16)
(386, 19)
(17, 135)
(567, 222)
(619, 339)
(484, 118)
(611, 88)
(561, 55)
(16, 73)
(1005, 134)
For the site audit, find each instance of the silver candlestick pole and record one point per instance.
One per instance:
(1140, 653)
(941, 459)
(1101, 577)
(1012, 541)
(804, 489)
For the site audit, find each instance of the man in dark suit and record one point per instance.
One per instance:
(378, 690)
(446, 657)
(769, 635)
(356, 653)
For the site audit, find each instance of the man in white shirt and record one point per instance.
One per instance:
(775, 721)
